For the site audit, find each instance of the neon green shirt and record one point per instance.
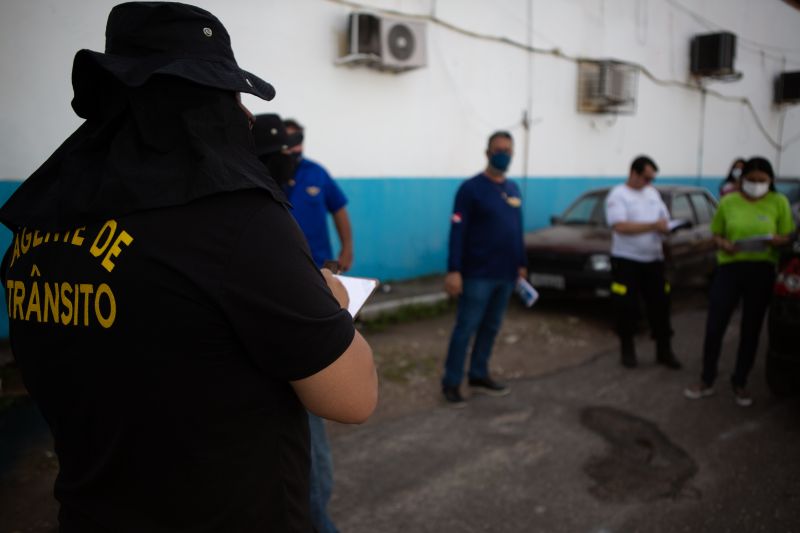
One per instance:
(737, 218)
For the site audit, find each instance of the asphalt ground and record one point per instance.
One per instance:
(590, 448)
(580, 445)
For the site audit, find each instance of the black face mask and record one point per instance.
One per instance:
(281, 167)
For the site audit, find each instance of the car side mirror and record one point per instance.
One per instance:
(555, 220)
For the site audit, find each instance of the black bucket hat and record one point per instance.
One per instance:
(144, 39)
(270, 136)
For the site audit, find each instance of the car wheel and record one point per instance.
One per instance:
(783, 380)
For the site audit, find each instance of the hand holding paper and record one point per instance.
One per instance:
(526, 292)
(358, 290)
(677, 224)
(756, 243)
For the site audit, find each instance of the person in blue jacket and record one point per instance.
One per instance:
(486, 257)
(313, 195)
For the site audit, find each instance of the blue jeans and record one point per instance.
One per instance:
(480, 312)
(321, 479)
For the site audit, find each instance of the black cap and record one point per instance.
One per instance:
(270, 135)
(148, 38)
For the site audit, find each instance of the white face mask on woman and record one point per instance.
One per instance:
(755, 189)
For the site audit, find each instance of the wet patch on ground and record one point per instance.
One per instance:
(642, 464)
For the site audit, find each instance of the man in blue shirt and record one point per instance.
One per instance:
(487, 256)
(313, 194)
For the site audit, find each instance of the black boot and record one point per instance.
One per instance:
(664, 355)
(628, 353)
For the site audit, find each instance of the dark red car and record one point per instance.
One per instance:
(783, 350)
(573, 255)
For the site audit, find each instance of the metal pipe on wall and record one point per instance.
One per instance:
(526, 114)
(702, 134)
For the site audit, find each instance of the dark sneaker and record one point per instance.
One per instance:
(628, 352)
(665, 356)
(669, 361)
(488, 386)
(453, 397)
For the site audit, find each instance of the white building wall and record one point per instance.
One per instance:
(433, 122)
(386, 135)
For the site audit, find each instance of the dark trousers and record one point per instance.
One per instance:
(632, 280)
(750, 282)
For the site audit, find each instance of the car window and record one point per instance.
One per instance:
(584, 211)
(790, 188)
(703, 207)
(681, 209)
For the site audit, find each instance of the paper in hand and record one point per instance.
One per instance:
(526, 292)
(676, 224)
(756, 243)
(358, 290)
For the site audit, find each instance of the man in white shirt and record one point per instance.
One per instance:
(639, 218)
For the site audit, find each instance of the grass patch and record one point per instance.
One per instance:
(402, 369)
(409, 313)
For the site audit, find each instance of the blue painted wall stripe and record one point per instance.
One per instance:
(7, 188)
(401, 225)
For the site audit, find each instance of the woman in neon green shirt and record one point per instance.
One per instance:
(749, 227)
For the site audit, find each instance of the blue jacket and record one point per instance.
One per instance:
(313, 195)
(486, 230)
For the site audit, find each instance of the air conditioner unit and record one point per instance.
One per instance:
(713, 54)
(787, 88)
(385, 43)
(607, 87)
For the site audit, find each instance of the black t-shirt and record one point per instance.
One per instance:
(159, 347)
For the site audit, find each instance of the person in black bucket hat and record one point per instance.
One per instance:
(165, 312)
(272, 143)
(144, 39)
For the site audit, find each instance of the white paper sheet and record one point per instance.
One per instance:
(358, 289)
(756, 243)
(526, 292)
(677, 223)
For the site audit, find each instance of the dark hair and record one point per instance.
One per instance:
(759, 163)
(292, 123)
(500, 134)
(641, 163)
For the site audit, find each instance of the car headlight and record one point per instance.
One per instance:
(600, 263)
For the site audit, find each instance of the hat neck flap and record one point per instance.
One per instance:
(163, 144)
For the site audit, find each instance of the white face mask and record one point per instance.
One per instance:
(736, 173)
(755, 189)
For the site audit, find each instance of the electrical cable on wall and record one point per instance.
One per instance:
(746, 43)
(556, 52)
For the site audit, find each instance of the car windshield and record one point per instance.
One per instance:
(790, 188)
(586, 210)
